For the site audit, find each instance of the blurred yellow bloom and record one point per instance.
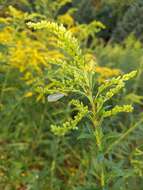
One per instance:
(66, 19)
(6, 36)
(27, 53)
(28, 94)
(75, 30)
(106, 73)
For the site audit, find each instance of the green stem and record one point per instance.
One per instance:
(98, 137)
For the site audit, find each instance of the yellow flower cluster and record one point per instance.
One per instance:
(67, 20)
(27, 51)
(106, 73)
(6, 35)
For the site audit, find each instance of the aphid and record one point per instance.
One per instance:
(55, 97)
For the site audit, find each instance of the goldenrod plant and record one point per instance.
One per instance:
(71, 77)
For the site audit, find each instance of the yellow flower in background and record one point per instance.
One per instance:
(105, 73)
(28, 94)
(75, 30)
(6, 35)
(27, 53)
(66, 19)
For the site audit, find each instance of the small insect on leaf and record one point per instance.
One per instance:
(55, 97)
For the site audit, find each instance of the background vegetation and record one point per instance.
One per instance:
(32, 157)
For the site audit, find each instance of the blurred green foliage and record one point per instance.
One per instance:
(110, 13)
(130, 23)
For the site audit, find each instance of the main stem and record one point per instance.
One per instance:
(98, 137)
